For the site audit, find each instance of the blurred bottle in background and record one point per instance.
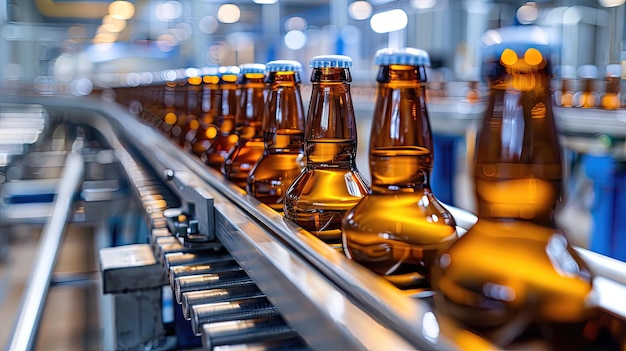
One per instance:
(400, 226)
(611, 99)
(514, 270)
(167, 113)
(283, 133)
(201, 136)
(330, 183)
(193, 106)
(587, 96)
(224, 125)
(248, 125)
(565, 96)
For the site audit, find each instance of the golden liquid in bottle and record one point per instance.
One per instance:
(321, 196)
(278, 167)
(401, 229)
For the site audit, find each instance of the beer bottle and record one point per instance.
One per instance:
(587, 97)
(565, 98)
(180, 108)
(225, 122)
(168, 111)
(283, 134)
(248, 126)
(611, 98)
(204, 131)
(330, 184)
(514, 269)
(193, 106)
(401, 158)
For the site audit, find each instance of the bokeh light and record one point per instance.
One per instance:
(295, 39)
(228, 13)
(360, 10)
(122, 9)
(389, 21)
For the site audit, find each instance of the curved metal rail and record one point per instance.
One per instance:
(33, 299)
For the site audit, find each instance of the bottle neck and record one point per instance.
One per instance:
(330, 133)
(251, 105)
(283, 125)
(401, 146)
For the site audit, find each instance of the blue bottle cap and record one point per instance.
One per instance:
(519, 39)
(331, 61)
(283, 66)
(404, 56)
(252, 68)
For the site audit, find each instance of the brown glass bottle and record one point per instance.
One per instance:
(330, 184)
(513, 268)
(167, 112)
(401, 158)
(192, 107)
(587, 96)
(611, 98)
(225, 123)
(204, 132)
(283, 129)
(565, 97)
(248, 125)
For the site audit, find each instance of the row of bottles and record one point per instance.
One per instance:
(581, 88)
(512, 275)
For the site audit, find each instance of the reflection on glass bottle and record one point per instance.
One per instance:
(283, 129)
(611, 98)
(224, 125)
(204, 132)
(513, 268)
(248, 125)
(400, 225)
(330, 183)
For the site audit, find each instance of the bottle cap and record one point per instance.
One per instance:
(566, 71)
(518, 39)
(252, 68)
(404, 56)
(283, 66)
(614, 70)
(588, 72)
(331, 61)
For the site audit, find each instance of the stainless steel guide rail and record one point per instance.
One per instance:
(33, 300)
(332, 302)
